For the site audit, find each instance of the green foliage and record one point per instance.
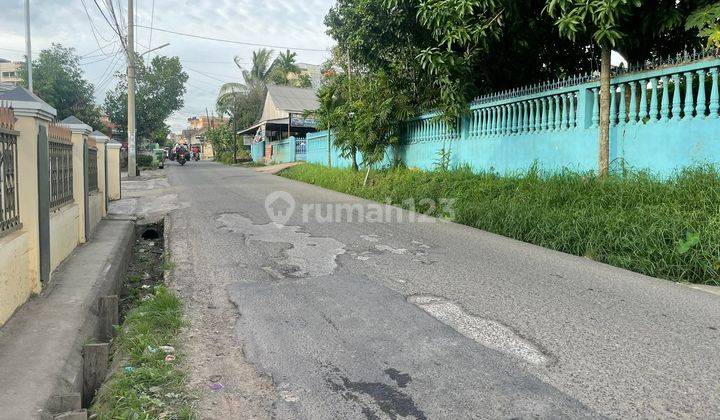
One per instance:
(225, 145)
(373, 35)
(260, 71)
(303, 81)
(243, 104)
(602, 18)
(159, 92)
(442, 163)
(283, 67)
(59, 81)
(442, 53)
(706, 20)
(663, 228)
(152, 388)
(144, 161)
(365, 112)
(462, 31)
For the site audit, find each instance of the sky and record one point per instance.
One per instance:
(209, 64)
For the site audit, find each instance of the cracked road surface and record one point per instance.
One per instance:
(326, 320)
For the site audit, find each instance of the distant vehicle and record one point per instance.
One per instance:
(182, 155)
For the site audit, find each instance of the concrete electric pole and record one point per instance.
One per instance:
(28, 49)
(130, 49)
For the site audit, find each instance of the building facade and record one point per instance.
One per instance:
(10, 71)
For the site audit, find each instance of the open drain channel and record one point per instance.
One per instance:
(486, 332)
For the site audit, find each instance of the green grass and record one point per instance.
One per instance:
(227, 157)
(146, 386)
(253, 164)
(662, 228)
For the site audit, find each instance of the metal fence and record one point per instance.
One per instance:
(92, 170)
(61, 172)
(300, 149)
(9, 200)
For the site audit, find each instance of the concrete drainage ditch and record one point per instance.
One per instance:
(144, 270)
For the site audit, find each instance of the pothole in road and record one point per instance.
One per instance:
(484, 331)
(310, 256)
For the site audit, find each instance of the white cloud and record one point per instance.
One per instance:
(293, 23)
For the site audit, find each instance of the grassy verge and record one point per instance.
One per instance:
(147, 386)
(662, 228)
(147, 383)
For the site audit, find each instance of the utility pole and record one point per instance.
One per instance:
(28, 49)
(130, 50)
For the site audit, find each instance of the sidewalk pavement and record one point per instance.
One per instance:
(274, 169)
(40, 346)
(148, 197)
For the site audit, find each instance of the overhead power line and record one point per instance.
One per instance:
(95, 33)
(212, 75)
(88, 54)
(105, 58)
(230, 41)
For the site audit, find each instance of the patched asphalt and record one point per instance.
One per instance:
(515, 331)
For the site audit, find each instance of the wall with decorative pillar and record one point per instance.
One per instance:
(19, 247)
(664, 117)
(113, 153)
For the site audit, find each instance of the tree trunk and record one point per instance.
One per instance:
(329, 144)
(235, 145)
(355, 166)
(604, 131)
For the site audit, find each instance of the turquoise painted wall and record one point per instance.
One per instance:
(662, 120)
(317, 146)
(285, 151)
(257, 152)
(317, 150)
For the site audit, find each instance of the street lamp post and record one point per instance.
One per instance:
(28, 49)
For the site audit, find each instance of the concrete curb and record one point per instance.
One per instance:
(41, 345)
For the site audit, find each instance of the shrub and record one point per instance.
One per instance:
(144, 161)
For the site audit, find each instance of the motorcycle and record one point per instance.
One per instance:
(182, 157)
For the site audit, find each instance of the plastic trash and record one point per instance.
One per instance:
(167, 349)
(129, 369)
(170, 358)
(216, 386)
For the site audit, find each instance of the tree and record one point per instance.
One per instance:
(381, 35)
(59, 81)
(224, 144)
(602, 19)
(259, 73)
(244, 108)
(282, 67)
(364, 111)
(390, 35)
(655, 30)
(462, 31)
(706, 20)
(304, 81)
(159, 92)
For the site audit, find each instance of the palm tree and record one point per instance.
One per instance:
(283, 66)
(261, 68)
(255, 78)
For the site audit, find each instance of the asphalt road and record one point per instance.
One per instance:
(377, 318)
